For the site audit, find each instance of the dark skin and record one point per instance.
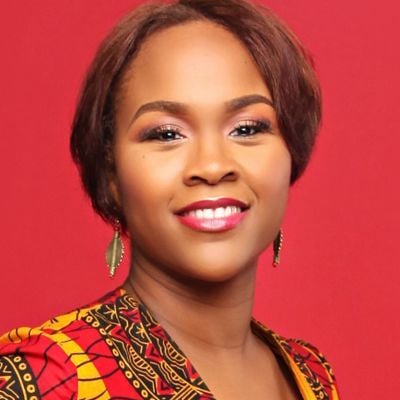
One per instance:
(200, 285)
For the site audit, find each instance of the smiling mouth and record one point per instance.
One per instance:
(215, 215)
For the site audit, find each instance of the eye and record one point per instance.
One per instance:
(164, 133)
(250, 128)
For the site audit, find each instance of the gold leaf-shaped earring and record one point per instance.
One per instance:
(277, 246)
(115, 250)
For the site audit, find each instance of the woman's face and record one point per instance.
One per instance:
(202, 171)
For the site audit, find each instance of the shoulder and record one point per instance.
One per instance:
(309, 366)
(314, 366)
(50, 359)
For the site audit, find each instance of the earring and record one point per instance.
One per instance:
(115, 250)
(277, 246)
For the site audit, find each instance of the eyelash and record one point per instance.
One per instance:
(155, 133)
(255, 126)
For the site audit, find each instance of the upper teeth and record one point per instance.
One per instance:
(210, 213)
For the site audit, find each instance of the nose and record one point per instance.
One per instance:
(211, 163)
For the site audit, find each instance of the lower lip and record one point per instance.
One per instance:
(212, 224)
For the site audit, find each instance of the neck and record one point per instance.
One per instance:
(214, 317)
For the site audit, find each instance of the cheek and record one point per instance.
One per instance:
(273, 202)
(130, 182)
(144, 187)
(271, 184)
(278, 181)
(271, 169)
(279, 176)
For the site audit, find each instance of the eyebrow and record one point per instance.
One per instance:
(244, 101)
(173, 107)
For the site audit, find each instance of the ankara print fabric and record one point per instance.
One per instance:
(115, 349)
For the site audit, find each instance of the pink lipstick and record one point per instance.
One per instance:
(213, 215)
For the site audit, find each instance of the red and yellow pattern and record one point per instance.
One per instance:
(115, 349)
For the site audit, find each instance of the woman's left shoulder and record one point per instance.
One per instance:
(309, 365)
(313, 366)
(311, 356)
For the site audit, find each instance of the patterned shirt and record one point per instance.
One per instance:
(115, 349)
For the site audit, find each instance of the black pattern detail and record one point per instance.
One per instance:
(17, 380)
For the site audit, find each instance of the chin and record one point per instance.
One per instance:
(217, 269)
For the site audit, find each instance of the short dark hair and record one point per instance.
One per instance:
(282, 60)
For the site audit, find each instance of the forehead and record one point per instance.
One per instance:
(196, 62)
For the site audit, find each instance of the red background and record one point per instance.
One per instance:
(338, 284)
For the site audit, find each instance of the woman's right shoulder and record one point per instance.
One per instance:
(49, 359)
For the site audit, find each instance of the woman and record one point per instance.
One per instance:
(194, 120)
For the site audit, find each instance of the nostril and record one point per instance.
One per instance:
(202, 170)
(214, 179)
(197, 179)
(230, 176)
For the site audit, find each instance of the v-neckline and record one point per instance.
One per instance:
(161, 340)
